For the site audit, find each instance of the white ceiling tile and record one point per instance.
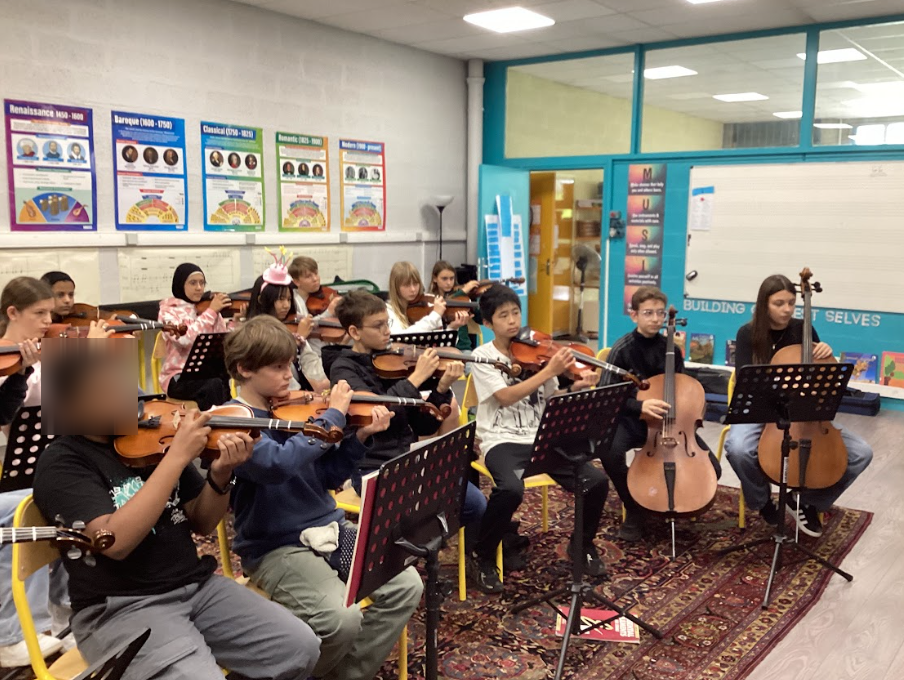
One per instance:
(732, 23)
(613, 24)
(569, 10)
(831, 10)
(433, 30)
(488, 41)
(646, 35)
(315, 9)
(638, 5)
(459, 8)
(514, 52)
(588, 43)
(369, 21)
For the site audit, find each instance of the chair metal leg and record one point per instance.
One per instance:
(462, 578)
(545, 503)
(742, 512)
(403, 654)
(499, 561)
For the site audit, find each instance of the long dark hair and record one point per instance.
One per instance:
(263, 299)
(761, 340)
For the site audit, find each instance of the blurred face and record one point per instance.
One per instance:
(30, 322)
(269, 381)
(410, 291)
(781, 309)
(649, 317)
(308, 282)
(63, 297)
(282, 306)
(195, 286)
(506, 321)
(373, 333)
(445, 281)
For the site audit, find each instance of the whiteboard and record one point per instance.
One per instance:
(83, 265)
(332, 261)
(147, 273)
(845, 221)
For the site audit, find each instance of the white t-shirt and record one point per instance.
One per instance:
(431, 322)
(497, 424)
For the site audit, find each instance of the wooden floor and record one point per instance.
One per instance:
(856, 630)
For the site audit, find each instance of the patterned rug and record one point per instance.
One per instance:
(707, 605)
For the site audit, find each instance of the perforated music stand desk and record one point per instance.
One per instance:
(24, 446)
(427, 338)
(784, 394)
(409, 507)
(571, 431)
(114, 666)
(206, 360)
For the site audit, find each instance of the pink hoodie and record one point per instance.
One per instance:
(175, 311)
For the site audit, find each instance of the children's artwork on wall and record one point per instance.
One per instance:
(702, 348)
(892, 369)
(866, 366)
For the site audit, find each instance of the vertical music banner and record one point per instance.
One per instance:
(645, 225)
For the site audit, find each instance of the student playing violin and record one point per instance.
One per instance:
(188, 288)
(272, 295)
(289, 533)
(152, 576)
(772, 328)
(406, 286)
(63, 288)
(641, 352)
(305, 274)
(442, 284)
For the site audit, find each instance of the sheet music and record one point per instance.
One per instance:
(82, 264)
(147, 273)
(332, 261)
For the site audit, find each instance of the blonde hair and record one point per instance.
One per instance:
(21, 292)
(259, 342)
(402, 274)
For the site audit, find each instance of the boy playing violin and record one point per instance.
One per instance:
(642, 353)
(305, 275)
(508, 415)
(152, 576)
(289, 532)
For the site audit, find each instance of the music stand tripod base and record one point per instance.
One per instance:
(573, 427)
(786, 394)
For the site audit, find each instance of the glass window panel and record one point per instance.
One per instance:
(575, 107)
(755, 80)
(860, 85)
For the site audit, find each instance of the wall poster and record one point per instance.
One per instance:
(304, 184)
(233, 158)
(363, 185)
(645, 224)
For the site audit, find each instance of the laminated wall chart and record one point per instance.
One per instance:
(147, 273)
(505, 244)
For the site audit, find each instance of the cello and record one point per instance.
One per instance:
(672, 473)
(829, 458)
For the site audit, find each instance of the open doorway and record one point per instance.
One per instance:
(564, 249)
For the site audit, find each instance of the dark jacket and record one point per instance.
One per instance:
(343, 363)
(12, 394)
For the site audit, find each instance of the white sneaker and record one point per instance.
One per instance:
(15, 656)
(68, 642)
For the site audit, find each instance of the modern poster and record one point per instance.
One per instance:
(151, 185)
(645, 225)
(363, 185)
(304, 185)
(50, 165)
(233, 158)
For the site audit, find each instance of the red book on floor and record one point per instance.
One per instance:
(617, 630)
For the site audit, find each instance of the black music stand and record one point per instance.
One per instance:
(409, 507)
(206, 360)
(427, 338)
(114, 666)
(572, 429)
(25, 444)
(785, 394)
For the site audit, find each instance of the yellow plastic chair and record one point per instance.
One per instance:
(475, 328)
(603, 354)
(142, 364)
(27, 559)
(226, 562)
(742, 511)
(157, 357)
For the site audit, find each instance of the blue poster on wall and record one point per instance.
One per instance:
(150, 183)
(505, 246)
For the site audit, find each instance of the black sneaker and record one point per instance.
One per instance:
(515, 541)
(771, 514)
(807, 517)
(593, 563)
(513, 560)
(631, 530)
(484, 575)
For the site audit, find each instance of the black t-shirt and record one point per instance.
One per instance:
(792, 334)
(80, 480)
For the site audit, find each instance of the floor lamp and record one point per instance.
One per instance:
(440, 203)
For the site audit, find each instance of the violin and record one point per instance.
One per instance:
(484, 285)
(317, 303)
(830, 459)
(400, 360)
(327, 330)
(79, 543)
(82, 314)
(124, 326)
(11, 352)
(532, 350)
(301, 405)
(159, 420)
(422, 306)
(237, 305)
(672, 473)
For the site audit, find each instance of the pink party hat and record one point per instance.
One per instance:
(278, 272)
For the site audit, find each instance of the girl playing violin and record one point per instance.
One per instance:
(63, 288)
(772, 328)
(188, 288)
(406, 286)
(442, 284)
(272, 295)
